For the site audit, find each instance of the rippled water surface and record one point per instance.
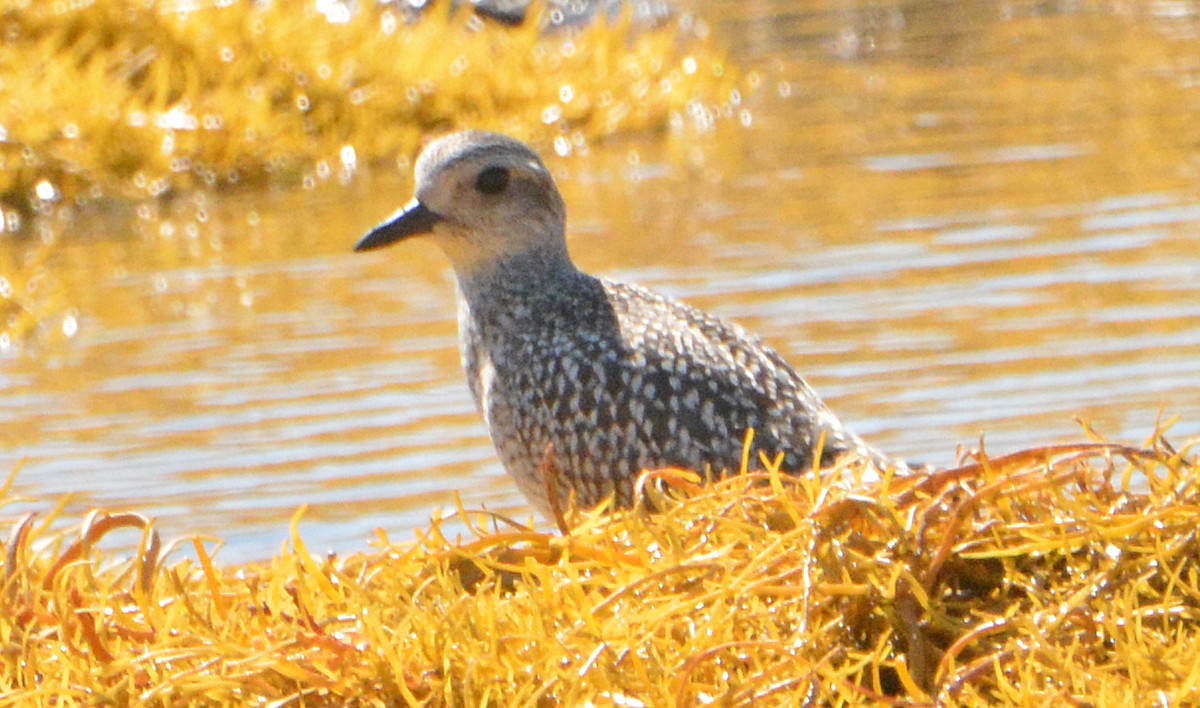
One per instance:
(955, 218)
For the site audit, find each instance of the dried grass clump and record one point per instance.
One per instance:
(138, 99)
(1067, 573)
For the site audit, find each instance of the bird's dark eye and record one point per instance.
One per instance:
(493, 180)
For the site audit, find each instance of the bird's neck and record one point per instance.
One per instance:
(530, 273)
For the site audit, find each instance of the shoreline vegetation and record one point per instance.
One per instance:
(137, 100)
(1058, 573)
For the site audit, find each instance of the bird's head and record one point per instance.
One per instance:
(484, 198)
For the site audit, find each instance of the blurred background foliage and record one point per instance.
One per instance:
(140, 99)
(129, 101)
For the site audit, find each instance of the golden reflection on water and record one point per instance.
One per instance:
(955, 219)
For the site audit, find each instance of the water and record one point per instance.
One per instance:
(956, 219)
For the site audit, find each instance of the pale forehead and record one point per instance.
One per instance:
(475, 146)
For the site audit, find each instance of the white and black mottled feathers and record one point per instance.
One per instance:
(621, 379)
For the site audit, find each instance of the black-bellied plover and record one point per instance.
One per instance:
(615, 377)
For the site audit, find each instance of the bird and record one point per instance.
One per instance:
(592, 378)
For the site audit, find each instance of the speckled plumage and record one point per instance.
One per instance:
(618, 378)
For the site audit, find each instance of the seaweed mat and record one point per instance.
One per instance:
(1065, 573)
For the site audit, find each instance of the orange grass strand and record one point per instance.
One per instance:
(909, 683)
(96, 525)
(308, 563)
(1019, 459)
(10, 481)
(211, 579)
(682, 679)
(787, 501)
(14, 555)
(148, 558)
(818, 452)
(747, 446)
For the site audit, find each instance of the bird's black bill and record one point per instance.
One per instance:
(414, 219)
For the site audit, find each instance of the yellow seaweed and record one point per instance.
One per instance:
(139, 99)
(1042, 575)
